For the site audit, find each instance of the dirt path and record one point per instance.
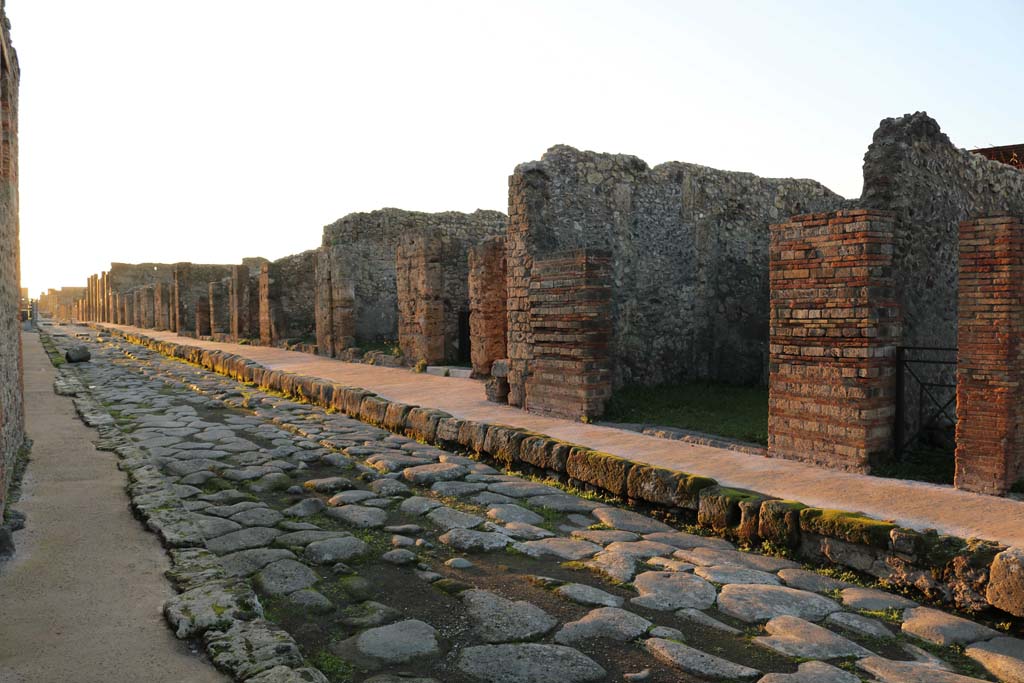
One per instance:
(81, 599)
(913, 504)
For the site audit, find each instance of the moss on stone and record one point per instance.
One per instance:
(853, 527)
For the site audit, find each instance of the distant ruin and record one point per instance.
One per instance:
(357, 282)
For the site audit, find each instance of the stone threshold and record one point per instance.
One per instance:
(971, 574)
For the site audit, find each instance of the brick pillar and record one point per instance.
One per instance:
(137, 307)
(115, 307)
(102, 315)
(990, 355)
(571, 327)
(162, 306)
(419, 280)
(343, 305)
(487, 304)
(323, 313)
(148, 312)
(220, 314)
(269, 307)
(244, 303)
(88, 297)
(128, 301)
(834, 328)
(524, 209)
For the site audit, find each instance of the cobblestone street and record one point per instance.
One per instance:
(308, 546)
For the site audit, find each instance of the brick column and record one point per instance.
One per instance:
(128, 302)
(834, 328)
(990, 355)
(267, 316)
(162, 306)
(419, 281)
(243, 293)
(322, 302)
(147, 316)
(487, 304)
(571, 328)
(220, 314)
(137, 307)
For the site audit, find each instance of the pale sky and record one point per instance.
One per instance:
(209, 130)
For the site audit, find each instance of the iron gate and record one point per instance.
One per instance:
(932, 370)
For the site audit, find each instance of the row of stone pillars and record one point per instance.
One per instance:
(835, 326)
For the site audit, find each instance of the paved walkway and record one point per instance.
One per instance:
(81, 599)
(912, 504)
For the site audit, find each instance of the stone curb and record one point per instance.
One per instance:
(945, 569)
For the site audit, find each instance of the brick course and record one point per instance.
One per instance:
(487, 304)
(834, 327)
(570, 321)
(990, 357)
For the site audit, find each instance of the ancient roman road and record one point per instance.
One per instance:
(308, 546)
(913, 504)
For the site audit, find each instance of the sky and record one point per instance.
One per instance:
(211, 130)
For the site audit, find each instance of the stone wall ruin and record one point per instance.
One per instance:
(356, 282)
(191, 307)
(12, 411)
(933, 193)
(432, 287)
(689, 260)
(287, 300)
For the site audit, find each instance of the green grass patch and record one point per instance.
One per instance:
(735, 412)
(387, 347)
(923, 463)
(334, 667)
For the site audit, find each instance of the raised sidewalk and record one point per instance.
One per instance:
(908, 503)
(81, 599)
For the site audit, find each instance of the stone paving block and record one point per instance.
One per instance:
(529, 663)
(1002, 657)
(752, 603)
(795, 637)
(697, 663)
(942, 628)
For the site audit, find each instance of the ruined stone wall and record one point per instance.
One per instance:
(913, 170)
(59, 303)
(12, 412)
(432, 285)
(191, 283)
(689, 250)
(287, 300)
(487, 304)
(123, 279)
(356, 265)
